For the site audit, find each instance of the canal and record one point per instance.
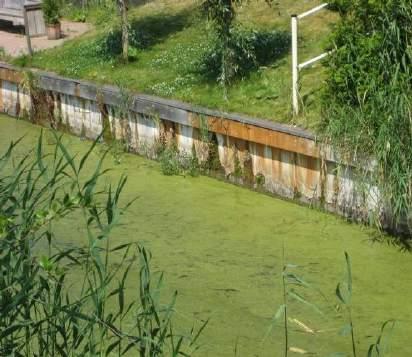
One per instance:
(221, 247)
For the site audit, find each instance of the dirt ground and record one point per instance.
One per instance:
(13, 42)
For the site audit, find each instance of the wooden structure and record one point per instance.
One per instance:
(27, 13)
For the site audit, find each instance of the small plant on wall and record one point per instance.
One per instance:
(51, 13)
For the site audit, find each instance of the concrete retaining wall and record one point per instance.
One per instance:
(280, 159)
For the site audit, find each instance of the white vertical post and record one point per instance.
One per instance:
(295, 65)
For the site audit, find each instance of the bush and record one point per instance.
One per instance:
(342, 6)
(110, 46)
(367, 100)
(247, 50)
(51, 11)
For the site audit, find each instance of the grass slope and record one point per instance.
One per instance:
(178, 36)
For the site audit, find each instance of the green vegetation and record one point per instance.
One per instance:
(235, 52)
(247, 52)
(168, 42)
(3, 55)
(174, 162)
(67, 289)
(51, 11)
(295, 288)
(367, 100)
(227, 267)
(71, 301)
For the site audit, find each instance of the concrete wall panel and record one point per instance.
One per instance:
(284, 160)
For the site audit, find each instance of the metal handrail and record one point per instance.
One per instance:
(296, 66)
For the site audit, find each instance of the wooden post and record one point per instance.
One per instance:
(27, 32)
(295, 66)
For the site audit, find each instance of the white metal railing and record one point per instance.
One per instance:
(296, 66)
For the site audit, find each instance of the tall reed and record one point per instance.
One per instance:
(367, 103)
(72, 301)
(295, 289)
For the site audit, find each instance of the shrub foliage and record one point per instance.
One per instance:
(232, 47)
(248, 49)
(51, 11)
(367, 102)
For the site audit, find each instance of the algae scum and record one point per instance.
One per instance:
(221, 247)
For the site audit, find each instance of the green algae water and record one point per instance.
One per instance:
(221, 247)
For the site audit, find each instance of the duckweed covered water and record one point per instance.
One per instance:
(221, 248)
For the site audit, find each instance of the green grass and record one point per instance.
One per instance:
(179, 35)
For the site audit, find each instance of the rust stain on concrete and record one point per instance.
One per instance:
(263, 136)
(308, 176)
(77, 90)
(10, 75)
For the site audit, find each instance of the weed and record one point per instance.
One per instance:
(169, 161)
(3, 55)
(293, 288)
(381, 346)
(238, 169)
(204, 129)
(344, 294)
(175, 162)
(260, 180)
